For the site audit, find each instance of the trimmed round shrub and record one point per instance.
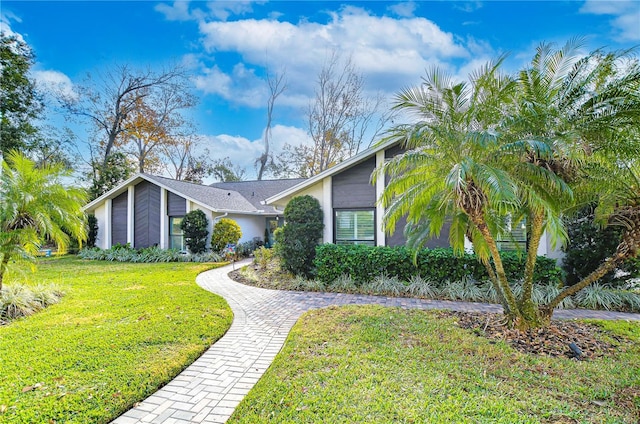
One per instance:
(226, 231)
(194, 227)
(300, 235)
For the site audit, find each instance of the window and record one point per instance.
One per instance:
(516, 237)
(355, 227)
(176, 238)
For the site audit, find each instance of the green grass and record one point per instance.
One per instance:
(120, 332)
(380, 365)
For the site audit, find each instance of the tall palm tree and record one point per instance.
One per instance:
(36, 206)
(569, 106)
(452, 169)
(499, 146)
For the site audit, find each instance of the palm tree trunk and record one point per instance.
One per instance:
(628, 248)
(509, 301)
(528, 309)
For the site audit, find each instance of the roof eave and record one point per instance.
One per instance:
(362, 156)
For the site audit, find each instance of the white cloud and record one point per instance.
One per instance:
(6, 18)
(390, 52)
(241, 86)
(468, 6)
(244, 152)
(55, 83)
(626, 16)
(181, 10)
(405, 10)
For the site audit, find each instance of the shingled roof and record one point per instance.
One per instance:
(213, 197)
(239, 197)
(256, 192)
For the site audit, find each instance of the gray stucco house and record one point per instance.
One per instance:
(146, 210)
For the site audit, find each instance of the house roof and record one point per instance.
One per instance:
(217, 199)
(256, 192)
(354, 160)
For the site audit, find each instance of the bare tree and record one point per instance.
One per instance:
(277, 85)
(185, 160)
(108, 102)
(339, 119)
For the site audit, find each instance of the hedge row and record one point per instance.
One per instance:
(364, 263)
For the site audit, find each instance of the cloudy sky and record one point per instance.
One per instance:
(228, 46)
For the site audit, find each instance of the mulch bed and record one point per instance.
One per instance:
(554, 341)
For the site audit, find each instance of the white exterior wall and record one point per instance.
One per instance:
(251, 225)
(101, 216)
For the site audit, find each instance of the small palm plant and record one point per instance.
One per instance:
(35, 206)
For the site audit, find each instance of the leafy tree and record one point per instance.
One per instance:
(155, 121)
(194, 226)
(224, 170)
(299, 237)
(225, 231)
(35, 206)
(105, 177)
(20, 103)
(109, 102)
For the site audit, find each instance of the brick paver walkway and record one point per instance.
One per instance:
(209, 390)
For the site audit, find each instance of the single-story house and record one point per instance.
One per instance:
(351, 213)
(146, 210)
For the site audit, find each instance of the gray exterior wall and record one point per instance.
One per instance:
(176, 205)
(119, 219)
(352, 188)
(398, 238)
(146, 215)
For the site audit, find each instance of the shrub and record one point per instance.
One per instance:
(194, 226)
(246, 249)
(226, 231)
(92, 230)
(589, 245)
(122, 253)
(300, 235)
(18, 300)
(364, 263)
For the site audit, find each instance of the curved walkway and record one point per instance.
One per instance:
(209, 390)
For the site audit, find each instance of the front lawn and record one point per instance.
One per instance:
(381, 365)
(120, 332)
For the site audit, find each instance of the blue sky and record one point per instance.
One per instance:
(228, 45)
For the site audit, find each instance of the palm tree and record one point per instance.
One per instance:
(500, 146)
(35, 206)
(569, 107)
(452, 168)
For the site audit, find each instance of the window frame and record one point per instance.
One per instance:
(183, 246)
(368, 242)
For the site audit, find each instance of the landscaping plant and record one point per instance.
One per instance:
(36, 207)
(529, 147)
(225, 231)
(300, 234)
(195, 226)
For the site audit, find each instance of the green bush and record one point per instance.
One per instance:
(226, 231)
(589, 245)
(364, 263)
(92, 230)
(300, 235)
(194, 226)
(19, 300)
